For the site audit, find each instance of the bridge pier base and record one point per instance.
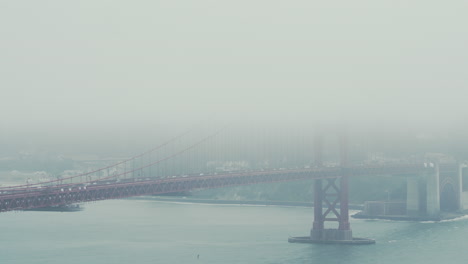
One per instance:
(460, 187)
(331, 234)
(433, 193)
(412, 197)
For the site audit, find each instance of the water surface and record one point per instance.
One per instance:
(141, 231)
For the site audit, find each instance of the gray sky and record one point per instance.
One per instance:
(83, 65)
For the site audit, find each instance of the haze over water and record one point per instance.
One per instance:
(88, 75)
(104, 80)
(145, 231)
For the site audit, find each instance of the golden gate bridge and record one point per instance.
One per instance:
(180, 168)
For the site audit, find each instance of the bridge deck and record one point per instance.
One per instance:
(41, 196)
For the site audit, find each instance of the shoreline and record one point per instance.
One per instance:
(359, 215)
(441, 217)
(237, 202)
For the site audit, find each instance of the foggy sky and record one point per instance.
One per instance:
(113, 68)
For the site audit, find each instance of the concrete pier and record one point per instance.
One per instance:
(354, 241)
(328, 234)
(412, 196)
(433, 192)
(460, 187)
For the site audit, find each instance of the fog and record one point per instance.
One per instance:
(230, 100)
(87, 74)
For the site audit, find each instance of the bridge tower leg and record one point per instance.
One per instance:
(318, 191)
(337, 189)
(318, 225)
(344, 227)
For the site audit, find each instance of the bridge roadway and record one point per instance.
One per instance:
(43, 196)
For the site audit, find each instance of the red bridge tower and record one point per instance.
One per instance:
(328, 195)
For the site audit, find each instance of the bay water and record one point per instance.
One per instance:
(147, 231)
